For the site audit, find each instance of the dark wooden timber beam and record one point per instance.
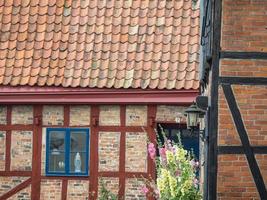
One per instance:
(243, 55)
(240, 149)
(243, 80)
(212, 165)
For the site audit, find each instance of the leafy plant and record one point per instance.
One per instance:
(176, 173)
(104, 193)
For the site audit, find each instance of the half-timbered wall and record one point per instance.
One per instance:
(118, 149)
(238, 101)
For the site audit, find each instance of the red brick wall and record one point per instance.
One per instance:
(244, 28)
(235, 180)
(227, 133)
(252, 102)
(234, 177)
(243, 68)
(244, 25)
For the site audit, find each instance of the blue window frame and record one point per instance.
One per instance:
(67, 152)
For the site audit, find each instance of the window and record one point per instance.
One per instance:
(189, 141)
(67, 151)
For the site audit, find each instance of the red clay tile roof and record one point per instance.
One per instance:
(100, 43)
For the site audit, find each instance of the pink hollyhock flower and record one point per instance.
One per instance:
(151, 145)
(178, 173)
(173, 150)
(169, 144)
(157, 194)
(152, 150)
(144, 189)
(162, 152)
(192, 163)
(195, 182)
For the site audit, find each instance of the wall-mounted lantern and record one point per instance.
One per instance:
(194, 113)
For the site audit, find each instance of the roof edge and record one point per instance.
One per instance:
(58, 95)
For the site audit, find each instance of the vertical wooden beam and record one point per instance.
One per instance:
(8, 139)
(122, 153)
(66, 115)
(36, 152)
(64, 189)
(213, 127)
(93, 176)
(151, 125)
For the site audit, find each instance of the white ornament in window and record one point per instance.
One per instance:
(77, 162)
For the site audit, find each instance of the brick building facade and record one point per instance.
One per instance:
(119, 156)
(234, 77)
(106, 71)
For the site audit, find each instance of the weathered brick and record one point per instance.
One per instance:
(24, 194)
(109, 115)
(21, 150)
(8, 183)
(167, 113)
(136, 152)
(234, 179)
(244, 25)
(78, 189)
(243, 68)
(227, 133)
(262, 162)
(252, 102)
(80, 115)
(3, 113)
(109, 151)
(50, 189)
(111, 183)
(53, 115)
(22, 115)
(133, 189)
(2, 150)
(136, 115)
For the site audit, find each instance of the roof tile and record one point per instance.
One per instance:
(130, 44)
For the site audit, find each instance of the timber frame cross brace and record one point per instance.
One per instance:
(16, 189)
(248, 150)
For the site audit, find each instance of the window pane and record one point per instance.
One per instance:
(77, 162)
(190, 141)
(78, 141)
(67, 151)
(166, 131)
(57, 141)
(57, 162)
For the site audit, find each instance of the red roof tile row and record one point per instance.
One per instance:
(100, 43)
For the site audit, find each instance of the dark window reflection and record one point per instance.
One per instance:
(190, 141)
